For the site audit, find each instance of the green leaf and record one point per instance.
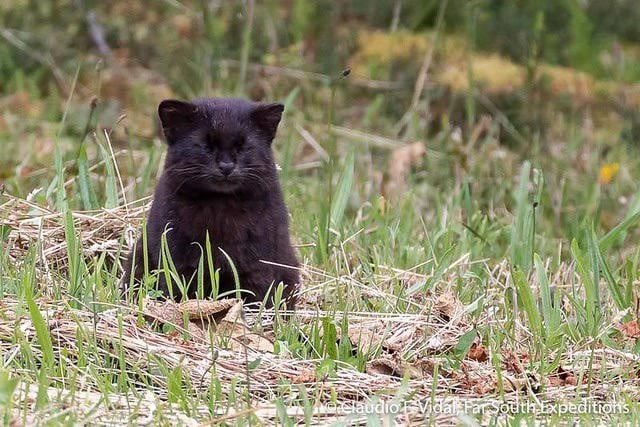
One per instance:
(291, 97)
(174, 385)
(87, 193)
(111, 180)
(528, 303)
(550, 311)
(617, 292)
(464, 343)
(522, 231)
(330, 338)
(618, 231)
(74, 256)
(589, 273)
(341, 197)
(42, 331)
(234, 270)
(254, 364)
(60, 191)
(7, 387)
(5, 229)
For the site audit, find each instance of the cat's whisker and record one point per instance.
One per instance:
(258, 179)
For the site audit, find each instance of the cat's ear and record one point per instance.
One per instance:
(176, 116)
(267, 117)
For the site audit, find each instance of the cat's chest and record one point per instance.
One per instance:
(225, 223)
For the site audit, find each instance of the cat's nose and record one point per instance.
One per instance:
(226, 167)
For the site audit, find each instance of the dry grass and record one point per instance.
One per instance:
(32, 225)
(404, 351)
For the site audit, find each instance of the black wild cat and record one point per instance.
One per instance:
(220, 178)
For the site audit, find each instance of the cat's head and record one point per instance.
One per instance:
(220, 145)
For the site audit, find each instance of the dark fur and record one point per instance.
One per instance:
(244, 212)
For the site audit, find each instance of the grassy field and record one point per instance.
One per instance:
(466, 224)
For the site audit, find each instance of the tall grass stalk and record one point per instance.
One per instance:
(246, 47)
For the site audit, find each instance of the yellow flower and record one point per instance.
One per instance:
(608, 172)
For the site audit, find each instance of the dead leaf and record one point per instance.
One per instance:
(207, 309)
(571, 380)
(476, 378)
(306, 376)
(441, 341)
(168, 312)
(23, 104)
(366, 339)
(563, 377)
(448, 307)
(162, 311)
(250, 340)
(183, 24)
(512, 383)
(233, 321)
(402, 338)
(630, 329)
(233, 330)
(42, 148)
(402, 160)
(383, 365)
(224, 317)
(514, 362)
(478, 353)
(388, 365)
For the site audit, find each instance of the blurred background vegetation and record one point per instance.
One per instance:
(481, 85)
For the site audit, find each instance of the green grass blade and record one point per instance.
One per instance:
(618, 231)
(528, 303)
(617, 291)
(551, 313)
(590, 278)
(236, 276)
(7, 387)
(111, 180)
(522, 229)
(343, 191)
(42, 331)
(87, 193)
